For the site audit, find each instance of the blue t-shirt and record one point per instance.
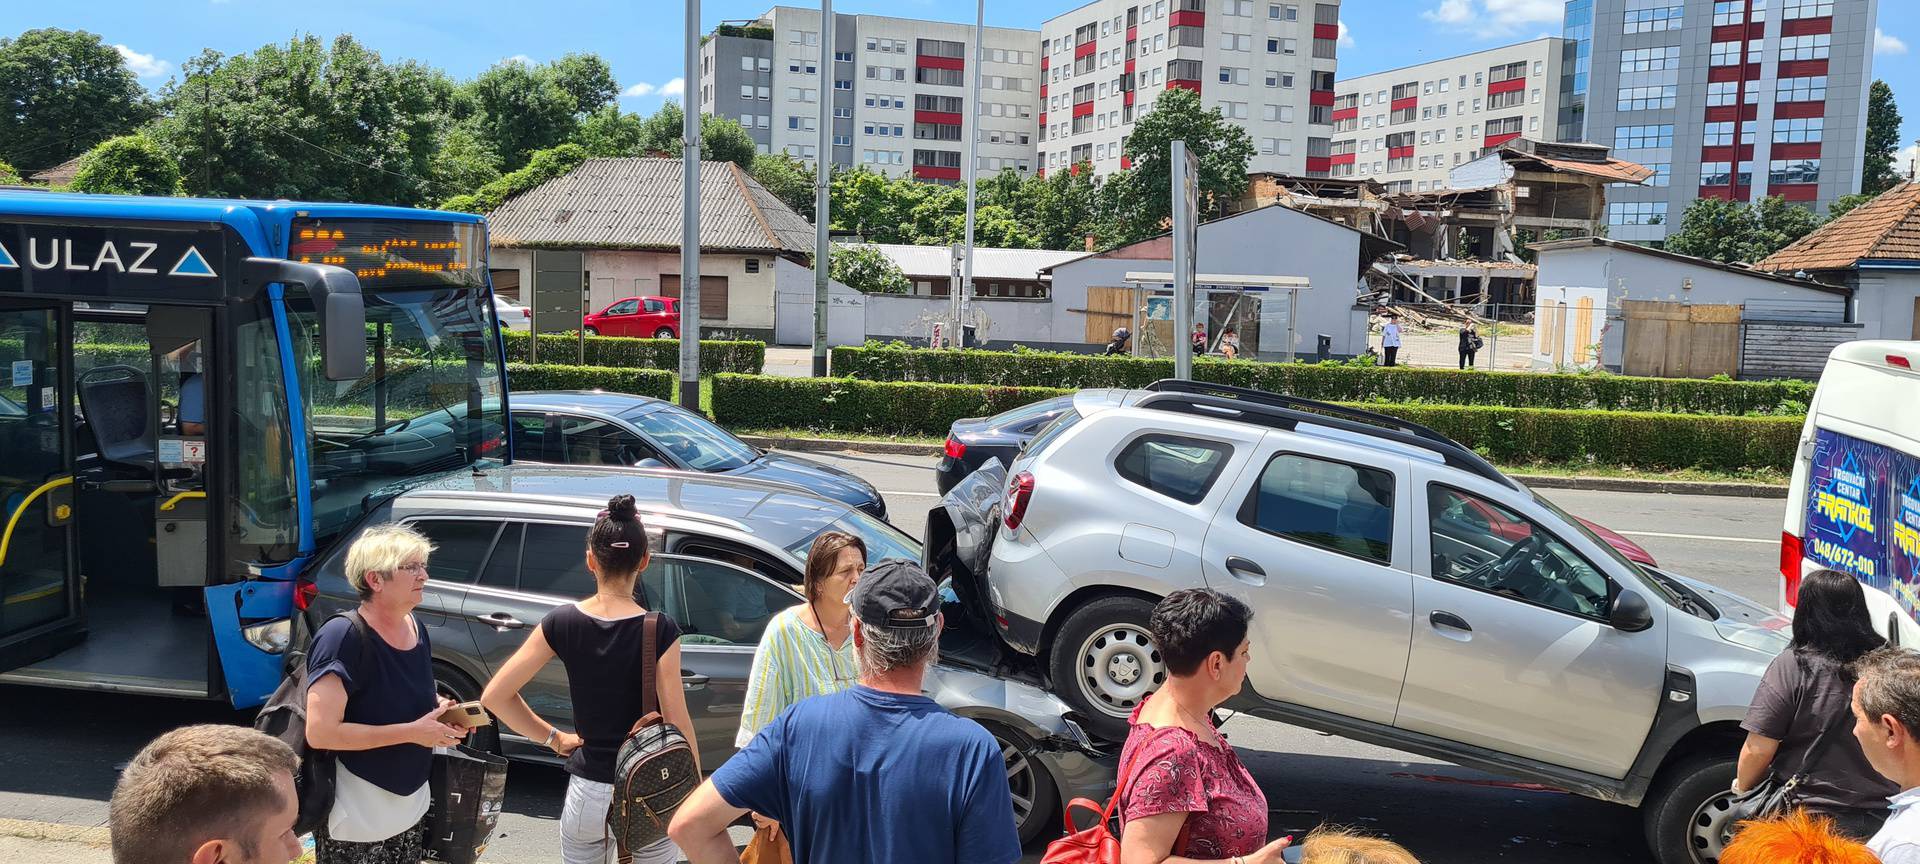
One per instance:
(394, 687)
(193, 399)
(863, 775)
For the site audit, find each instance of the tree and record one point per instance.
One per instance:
(63, 92)
(1730, 231)
(307, 120)
(1066, 209)
(128, 165)
(8, 176)
(1882, 140)
(588, 79)
(611, 132)
(521, 108)
(866, 270)
(789, 179)
(463, 163)
(1223, 150)
(1845, 203)
(875, 206)
(545, 165)
(721, 139)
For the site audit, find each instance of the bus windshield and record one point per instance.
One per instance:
(429, 401)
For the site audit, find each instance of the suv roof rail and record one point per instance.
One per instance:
(1286, 412)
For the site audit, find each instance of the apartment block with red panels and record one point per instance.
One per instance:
(1408, 128)
(1268, 66)
(1779, 112)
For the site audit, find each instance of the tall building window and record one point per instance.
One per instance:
(1809, 89)
(1651, 20)
(1721, 134)
(1642, 137)
(1507, 72)
(1507, 99)
(1799, 130)
(1793, 171)
(1637, 213)
(1648, 98)
(1810, 47)
(1808, 8)
(1729, 93)
(1650, 59)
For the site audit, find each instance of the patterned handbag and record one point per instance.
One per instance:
(655, 769)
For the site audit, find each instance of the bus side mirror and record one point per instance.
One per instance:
(337, 303)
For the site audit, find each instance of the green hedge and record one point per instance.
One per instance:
(548, 376)
(1509, 435)
(1331, 382)
(622, 351)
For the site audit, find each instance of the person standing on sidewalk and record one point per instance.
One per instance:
(1469, 345)
(207, 794)
(381, 719)
(601, 641)
(877, 772)
(1796, 726)
(808, 649)
(1390, 338)
(1886, 721)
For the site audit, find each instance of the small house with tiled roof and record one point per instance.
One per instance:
(610, 229)
(1873, 249)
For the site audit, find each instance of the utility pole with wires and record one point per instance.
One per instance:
(690, 218)
(970, 123)
(822, 176)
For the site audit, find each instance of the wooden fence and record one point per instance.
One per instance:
(1680, 340)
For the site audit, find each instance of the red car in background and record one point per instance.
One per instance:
(644, 317)
(1511, 529)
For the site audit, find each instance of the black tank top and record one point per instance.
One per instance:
(604, 676)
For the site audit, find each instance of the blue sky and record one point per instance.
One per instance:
(641, 38)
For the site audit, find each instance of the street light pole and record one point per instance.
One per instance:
(970, 126)
(822, 174)
(690, 218)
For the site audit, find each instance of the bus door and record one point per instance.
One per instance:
(41, 613)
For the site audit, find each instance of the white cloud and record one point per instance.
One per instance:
(144, 65)
(1887, 43)
(675, 87)
(1450, 12)
(638, 90)
(521, 59)
(1346, 36)
(1514, 13)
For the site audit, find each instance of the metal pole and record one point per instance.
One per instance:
(970, 127)
(690, 218)
(822, 175)
(1182, 272)
(1493, 339)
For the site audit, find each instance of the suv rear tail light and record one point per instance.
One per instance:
(955, 449)
(1019, 492)
(1791, 553)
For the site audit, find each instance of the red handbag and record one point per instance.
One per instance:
(1094, 844)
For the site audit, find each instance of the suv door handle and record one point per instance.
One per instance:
(1441, 618)
(1245, 570)
(500, 621)
(694, 681)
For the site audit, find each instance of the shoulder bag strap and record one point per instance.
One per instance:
(649, 663)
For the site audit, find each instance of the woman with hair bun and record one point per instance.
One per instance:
(601, 642)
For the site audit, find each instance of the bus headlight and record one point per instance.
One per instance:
(271, 637)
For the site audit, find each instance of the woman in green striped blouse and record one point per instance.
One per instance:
(807, 650)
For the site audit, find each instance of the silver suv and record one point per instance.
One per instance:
(1406, 593)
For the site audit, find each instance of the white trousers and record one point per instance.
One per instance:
(583, 828)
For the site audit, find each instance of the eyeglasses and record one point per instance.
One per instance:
(417, 567)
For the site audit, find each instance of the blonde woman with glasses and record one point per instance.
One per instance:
(371, 701)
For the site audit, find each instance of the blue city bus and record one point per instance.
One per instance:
(196, 397)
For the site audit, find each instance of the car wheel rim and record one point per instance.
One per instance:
(1710, 828)
(1021, 782)
(1119, 668)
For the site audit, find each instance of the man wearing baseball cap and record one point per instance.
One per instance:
(877, 772)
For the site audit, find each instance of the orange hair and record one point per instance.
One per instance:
(1340, 846)
(1796, 838)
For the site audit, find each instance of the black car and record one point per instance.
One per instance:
(591, 427)
(973, 441)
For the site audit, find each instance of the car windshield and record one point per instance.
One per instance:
(1658, 587)
(694, 440)
(1028, 413)
(883, 540)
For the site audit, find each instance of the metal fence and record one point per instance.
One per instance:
(1508, 336)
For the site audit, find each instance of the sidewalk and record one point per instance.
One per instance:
(788, 362)
(24, 842)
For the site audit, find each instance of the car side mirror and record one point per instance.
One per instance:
(649, 462)
(1630, 613)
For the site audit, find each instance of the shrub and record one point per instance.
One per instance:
(626, 352)
(1333, 382)
(1511, 435)
(545, 376)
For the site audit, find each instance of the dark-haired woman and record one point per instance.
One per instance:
(1807, 692)
(1188, 797)
(600, 641)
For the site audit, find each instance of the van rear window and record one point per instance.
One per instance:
(1863, 514)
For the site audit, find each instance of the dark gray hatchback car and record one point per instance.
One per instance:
(728, 553)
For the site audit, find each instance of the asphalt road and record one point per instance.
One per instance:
(59, 750)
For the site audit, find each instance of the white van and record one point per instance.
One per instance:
(1854, 505)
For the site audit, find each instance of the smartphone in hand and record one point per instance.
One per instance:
(466, 715)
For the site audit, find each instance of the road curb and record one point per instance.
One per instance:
(1542, 481)
(88, 835)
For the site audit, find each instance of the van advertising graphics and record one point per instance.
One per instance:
(1863, 514)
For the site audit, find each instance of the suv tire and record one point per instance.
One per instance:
(455, 685)
(1027, 780)
(1104, 664)
(1685, 812)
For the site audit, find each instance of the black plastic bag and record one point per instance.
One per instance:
(468, 788)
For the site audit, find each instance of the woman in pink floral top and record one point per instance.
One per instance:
(1188, 797)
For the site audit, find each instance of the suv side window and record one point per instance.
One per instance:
(722, 605)
(554, 560)
(460, 547)
(1332, 505)
(1178, 467)
(1485, 546)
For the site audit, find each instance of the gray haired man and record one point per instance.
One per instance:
(877, 772)
(1886, 720)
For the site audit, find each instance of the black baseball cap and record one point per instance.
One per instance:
(895, 593)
